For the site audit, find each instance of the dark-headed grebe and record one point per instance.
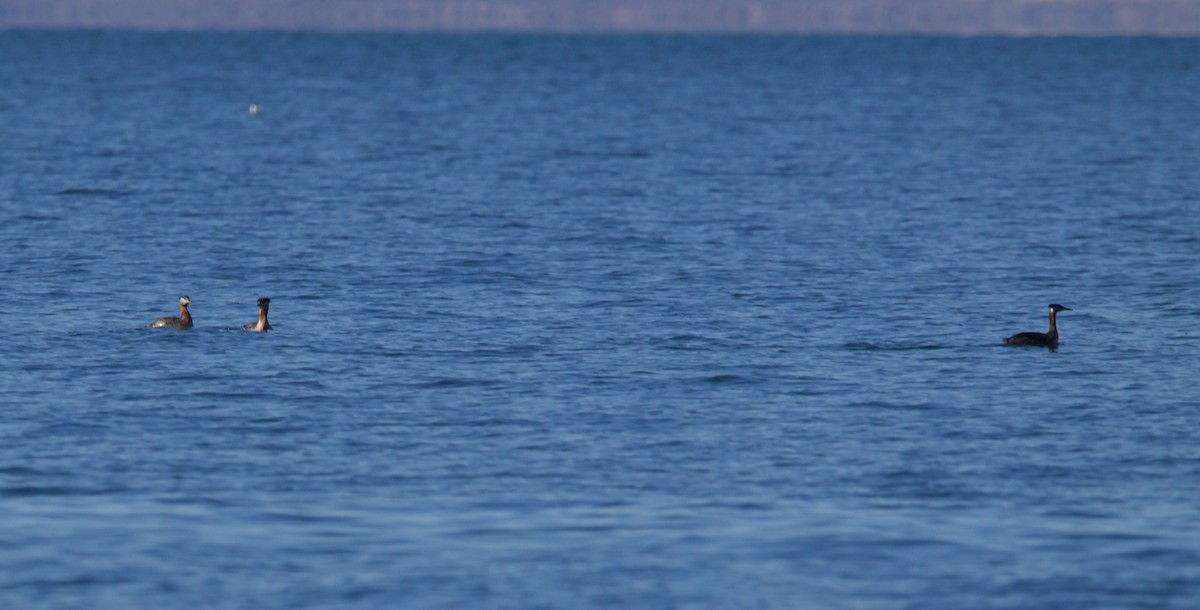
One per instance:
(183, 321)
(1046, 339)
(261, 325)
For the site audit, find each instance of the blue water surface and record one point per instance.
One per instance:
(610, 322)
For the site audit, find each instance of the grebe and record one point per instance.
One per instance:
(1046, 339)
(183, 321)
(262, 325)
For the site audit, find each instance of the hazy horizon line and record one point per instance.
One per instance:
(946, 18)
(596, 32)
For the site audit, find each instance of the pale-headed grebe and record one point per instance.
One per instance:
(183, 321)
(261, 325)
(1046, 339)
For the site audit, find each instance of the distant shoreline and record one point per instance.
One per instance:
(954, 18)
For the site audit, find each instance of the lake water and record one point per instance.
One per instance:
(576, 322)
